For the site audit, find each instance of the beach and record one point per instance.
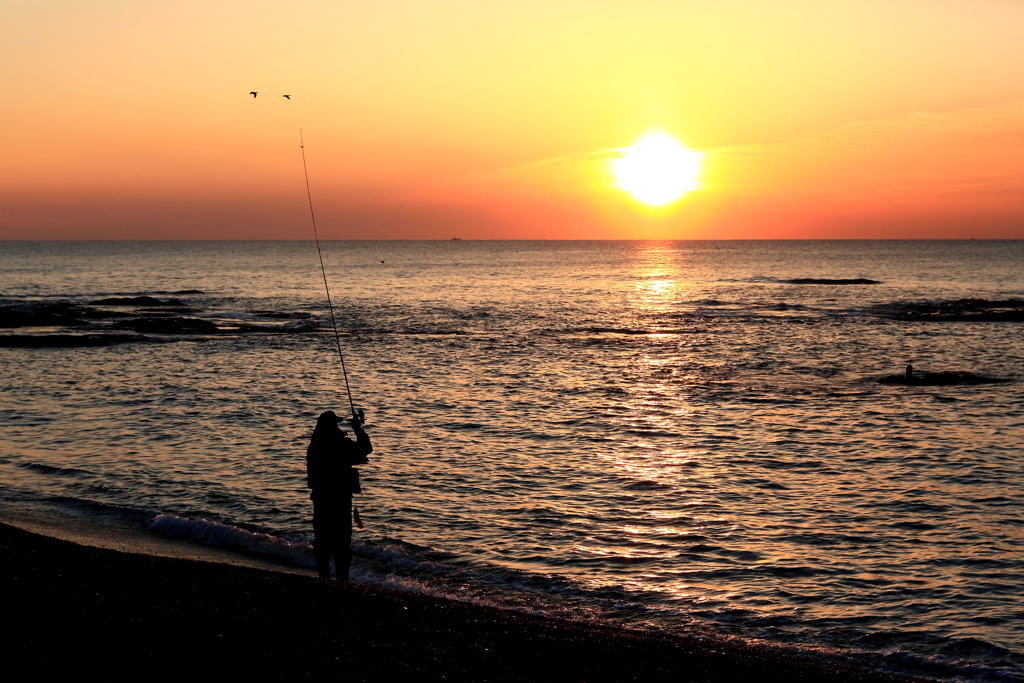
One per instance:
(82, 612)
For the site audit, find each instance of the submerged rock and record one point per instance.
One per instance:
(961, 310)
(144, 301)
(168, 326)
(282, 315)
(52, 315)
(940, 379)
(826, 281)
(41, 341)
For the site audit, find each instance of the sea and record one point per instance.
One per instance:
(686, 437)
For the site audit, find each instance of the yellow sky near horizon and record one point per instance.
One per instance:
(497, 120)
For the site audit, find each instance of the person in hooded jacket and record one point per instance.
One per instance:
(330, 474)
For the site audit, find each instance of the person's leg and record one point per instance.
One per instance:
(322, 538)
(343, 549)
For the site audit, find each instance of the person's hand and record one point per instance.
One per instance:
(357, 424)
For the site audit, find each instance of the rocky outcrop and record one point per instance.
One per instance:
(826, 281)
(54, 315)
(64, 341)
(961, 310)
(940, 379)
(168, 326)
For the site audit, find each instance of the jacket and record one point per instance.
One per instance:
(329, 460)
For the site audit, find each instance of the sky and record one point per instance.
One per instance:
(845, 119)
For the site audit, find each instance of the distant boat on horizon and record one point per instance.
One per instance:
(456, 239)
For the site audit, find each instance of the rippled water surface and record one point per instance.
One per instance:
(667, 434)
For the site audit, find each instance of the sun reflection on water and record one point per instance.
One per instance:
(656, 454)
(656, 274)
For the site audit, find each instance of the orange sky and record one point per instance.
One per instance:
(130, 119)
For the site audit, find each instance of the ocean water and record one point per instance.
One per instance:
(663, 435)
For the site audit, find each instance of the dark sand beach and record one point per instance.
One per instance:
(83, 612)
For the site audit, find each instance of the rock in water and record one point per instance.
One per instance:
(826, 281)
(66, 341)
(940, 379)
(168, 326)
(961, 310)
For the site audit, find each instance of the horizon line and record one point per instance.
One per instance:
(543, 239)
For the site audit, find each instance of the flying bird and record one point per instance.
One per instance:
(253, 93)
(287, 97)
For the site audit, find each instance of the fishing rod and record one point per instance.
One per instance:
(337, 337)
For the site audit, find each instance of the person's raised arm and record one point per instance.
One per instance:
(363, 447)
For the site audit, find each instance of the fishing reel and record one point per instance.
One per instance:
(359, 416)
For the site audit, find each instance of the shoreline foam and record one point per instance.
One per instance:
(109, 534)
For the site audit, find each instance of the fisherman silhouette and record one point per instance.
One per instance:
(254, 94)
(329, 473)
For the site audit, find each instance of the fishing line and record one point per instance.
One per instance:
(337, 337)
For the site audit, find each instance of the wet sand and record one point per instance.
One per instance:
(84, 612)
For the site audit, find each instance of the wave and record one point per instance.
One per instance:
(50, 469)
(220, 535)
(391, 563)
(138, 301)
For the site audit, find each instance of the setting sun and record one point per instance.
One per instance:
(657, 169)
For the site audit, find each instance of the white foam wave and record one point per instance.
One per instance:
(220, 535)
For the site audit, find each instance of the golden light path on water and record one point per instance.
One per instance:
(658, 286)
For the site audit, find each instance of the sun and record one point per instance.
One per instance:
(657, 169)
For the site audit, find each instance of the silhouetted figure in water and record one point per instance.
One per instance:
(910, 373)
(329, 460)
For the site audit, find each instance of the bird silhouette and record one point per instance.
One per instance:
(287, 97)
(253, 93)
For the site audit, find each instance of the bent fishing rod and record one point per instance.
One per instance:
(337, 337)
